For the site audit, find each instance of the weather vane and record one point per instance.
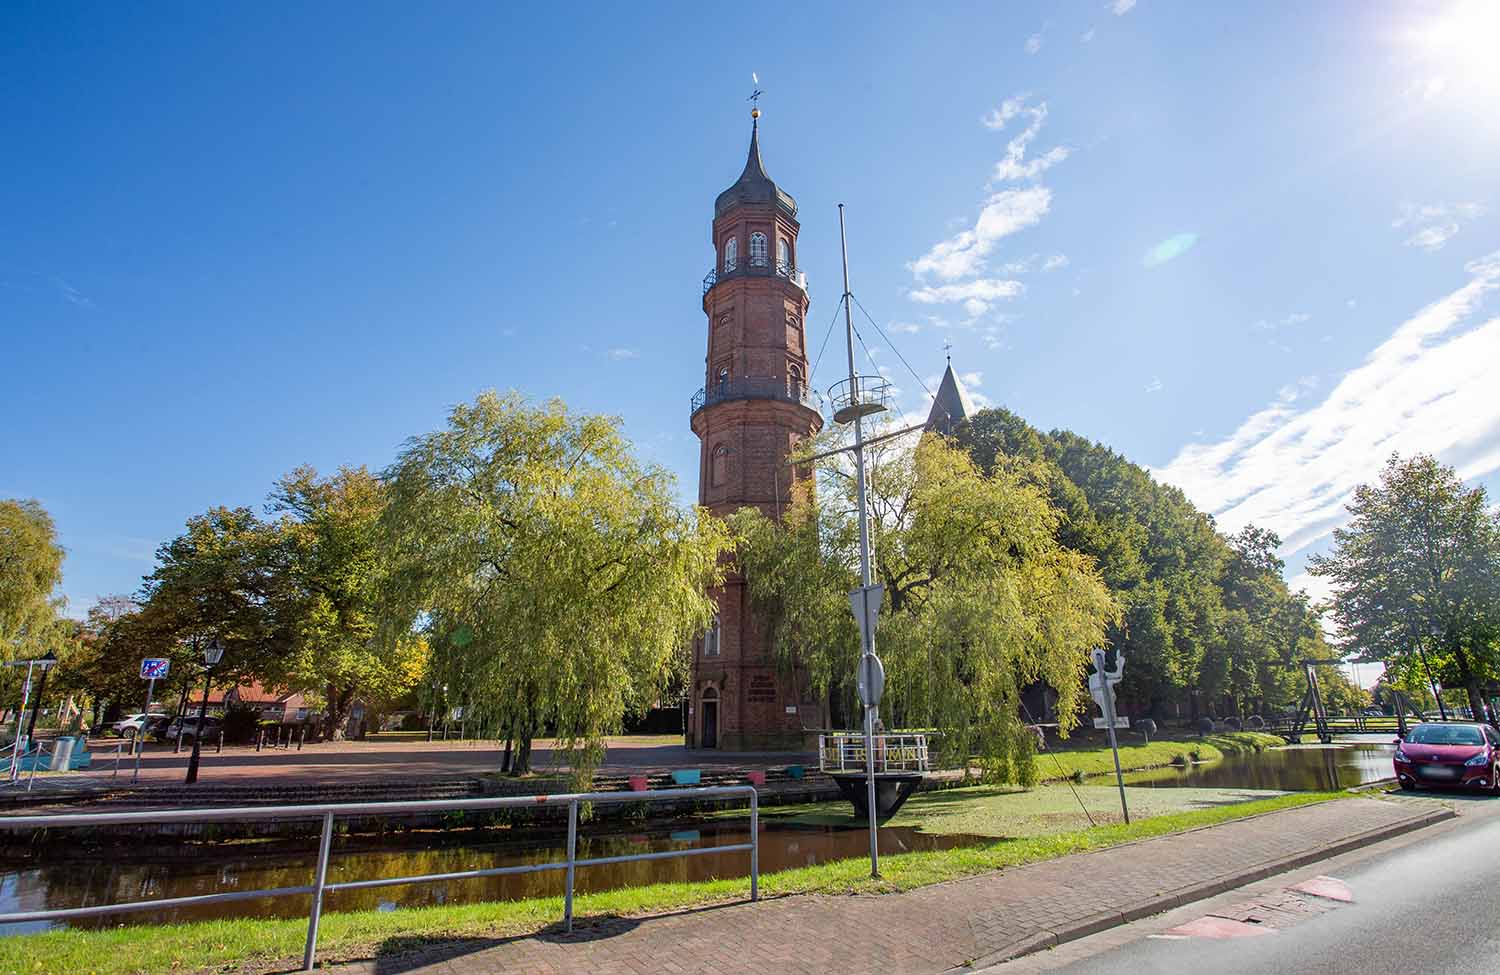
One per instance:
(755, 94)
(948, 350)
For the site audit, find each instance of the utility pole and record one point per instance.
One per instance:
(872, 674)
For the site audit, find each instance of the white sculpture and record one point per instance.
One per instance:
(1103, 680)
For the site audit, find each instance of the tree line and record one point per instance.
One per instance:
(524, 557)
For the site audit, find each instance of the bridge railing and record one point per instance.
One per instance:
(328, 812)
(845, 752)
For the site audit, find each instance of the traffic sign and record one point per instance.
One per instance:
(1119, 723)
(154, 668)
(871, 680)
(865, 601)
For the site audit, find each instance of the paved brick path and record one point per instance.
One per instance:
(934, 929)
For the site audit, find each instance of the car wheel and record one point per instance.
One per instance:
(1407, 785)
(1495, 781)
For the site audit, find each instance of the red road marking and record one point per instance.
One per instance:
(1329, 888)
(1220, 928)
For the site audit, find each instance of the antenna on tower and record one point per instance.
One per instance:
(755, 94)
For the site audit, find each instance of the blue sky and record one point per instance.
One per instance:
(1251, 246)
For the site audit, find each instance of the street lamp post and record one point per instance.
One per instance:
(211, 656)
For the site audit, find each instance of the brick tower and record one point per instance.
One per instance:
(754, 407)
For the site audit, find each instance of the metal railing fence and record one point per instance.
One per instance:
(893, 753)
(328, 812)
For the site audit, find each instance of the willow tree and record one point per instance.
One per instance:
(559, 574)
(30, 570)
(981, 600)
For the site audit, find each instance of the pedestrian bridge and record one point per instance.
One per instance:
(900, 763)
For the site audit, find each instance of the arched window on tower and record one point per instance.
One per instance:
(711, 643)
(718, 466)
(721, 382)
(731, 254)
(759, 255)
(783, 256)
(794, 381)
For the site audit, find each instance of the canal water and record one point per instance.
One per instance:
(1296, 768)
(57, 877)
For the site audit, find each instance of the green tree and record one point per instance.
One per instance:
(223, 577)
(980, 599)
(552, 570)
(1418, 568)
(326, 608)
(30, 570)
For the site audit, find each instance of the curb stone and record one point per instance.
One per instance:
(1183, 896)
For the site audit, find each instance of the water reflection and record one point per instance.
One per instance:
(1296, 768)
(59, 877)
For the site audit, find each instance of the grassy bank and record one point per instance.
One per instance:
(252, 943)
(1014, 813)
(1091, 758)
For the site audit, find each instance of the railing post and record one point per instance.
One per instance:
(316, 913)
(572, 857)
(754, 843)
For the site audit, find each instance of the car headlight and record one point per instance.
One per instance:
(1401, 756)
(1483, 758)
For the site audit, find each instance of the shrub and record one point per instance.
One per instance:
(239, 724)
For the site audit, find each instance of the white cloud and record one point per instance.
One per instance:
(1155, 385)
(1428, 388)
(1087, 36)
(972, 379)
(1432, 238)
(1003, 214)
(1433, 224)
(1015, 166)
(1008, 110)
(622, 355)
(1122, 7)
(1295, 318)
(906, 328)
(1033, 43)
(1054, 262)
(963, 259)
(976, 296)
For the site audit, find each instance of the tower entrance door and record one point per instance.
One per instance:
(710, 737)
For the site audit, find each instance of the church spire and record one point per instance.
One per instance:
(951, 405)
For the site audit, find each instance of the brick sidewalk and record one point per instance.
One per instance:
(939, 928)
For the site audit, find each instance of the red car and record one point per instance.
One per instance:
(1455, 754)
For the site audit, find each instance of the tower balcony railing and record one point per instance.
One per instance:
(761, 269)
(741, 389)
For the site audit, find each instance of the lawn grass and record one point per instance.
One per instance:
(1010, 812)
(232, 945)
(1090, 758)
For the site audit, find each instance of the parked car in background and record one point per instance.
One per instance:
(1449, 754)
(130, 725)
(189, 727)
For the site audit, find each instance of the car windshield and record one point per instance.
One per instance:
(1439, 734)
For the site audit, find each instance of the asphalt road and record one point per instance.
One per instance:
(1428, 903)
